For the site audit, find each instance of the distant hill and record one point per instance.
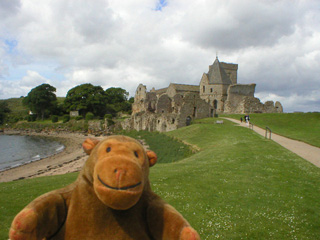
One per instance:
(18, 109)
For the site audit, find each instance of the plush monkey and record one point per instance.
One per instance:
(111, 199)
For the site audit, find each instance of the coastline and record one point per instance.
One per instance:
(71, 159)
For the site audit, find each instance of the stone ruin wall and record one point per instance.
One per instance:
(219, 93)
(242, 89)
(140, 99)
(168, 108)
(241, 100)
(163, 113)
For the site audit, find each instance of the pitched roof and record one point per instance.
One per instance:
(217, 74)
(185, 87)
(160, 91)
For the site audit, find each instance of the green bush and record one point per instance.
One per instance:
(32, 118)
(89, 116)
(110, 122)
(66, 118)
(108, 116)
(79, 118)
(54, 118)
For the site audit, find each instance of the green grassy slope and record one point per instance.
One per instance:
(239, 186)
(16, 107)
(300, 126)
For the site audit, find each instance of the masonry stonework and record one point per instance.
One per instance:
(173, 107)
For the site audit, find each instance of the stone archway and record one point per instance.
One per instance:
(215, 104)
(188, 120)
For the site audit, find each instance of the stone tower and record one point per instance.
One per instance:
(214, 84)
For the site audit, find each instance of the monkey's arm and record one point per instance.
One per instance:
(41, 218)
(165, 222)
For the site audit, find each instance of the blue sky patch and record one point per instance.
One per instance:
(10, 45)
(161, 4)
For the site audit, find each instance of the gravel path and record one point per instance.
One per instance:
(304, 150)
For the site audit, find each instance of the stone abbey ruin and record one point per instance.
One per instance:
(175, 106)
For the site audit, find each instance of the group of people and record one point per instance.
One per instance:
(246, 119)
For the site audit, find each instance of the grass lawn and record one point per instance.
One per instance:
(238, 186)
(300, 126)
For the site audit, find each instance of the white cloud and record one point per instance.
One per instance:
(32, 79)
(21, 87)
(124, 43)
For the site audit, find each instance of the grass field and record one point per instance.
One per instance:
(300, 126)
(238, 186)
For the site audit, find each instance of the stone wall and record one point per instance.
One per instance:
(241, 89)
(249, 104)
(139, 104)
(170, 113)
(169, 108)
(151, 101)
(164, 104)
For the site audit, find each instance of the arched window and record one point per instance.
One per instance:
(215, 104)
(204, 88)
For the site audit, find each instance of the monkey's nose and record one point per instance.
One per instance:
(119, 172)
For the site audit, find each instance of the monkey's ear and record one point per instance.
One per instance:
(89, 144)
(152, 156)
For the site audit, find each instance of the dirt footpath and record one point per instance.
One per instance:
(304, 150)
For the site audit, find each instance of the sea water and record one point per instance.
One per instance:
(17, 150)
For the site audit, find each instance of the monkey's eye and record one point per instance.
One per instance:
(108, 149)
(136, 154)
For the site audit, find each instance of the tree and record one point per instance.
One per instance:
(118, 100)
(4, 109)
(116, 95)
(41, 99)
(86, 98)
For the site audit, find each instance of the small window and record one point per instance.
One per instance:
(204, 88)
(173, 120)
(194, 112)
(215, 104)
(211, 89)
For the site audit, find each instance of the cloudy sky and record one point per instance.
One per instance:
(115, 43)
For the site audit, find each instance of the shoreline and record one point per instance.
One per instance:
(71, 159)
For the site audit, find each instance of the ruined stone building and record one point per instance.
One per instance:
(175, 106)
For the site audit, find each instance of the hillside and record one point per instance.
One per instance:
(16, 107)
(18, 110)
(299, 126)
(238, 186)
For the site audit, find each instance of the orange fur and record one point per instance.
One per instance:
(111, 199)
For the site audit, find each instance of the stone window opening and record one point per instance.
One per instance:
(211, 89)
(204, 88)
(188, 120)
(215, 104)
(194, 112)
(173, 121)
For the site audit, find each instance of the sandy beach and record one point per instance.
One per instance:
(69, 160)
